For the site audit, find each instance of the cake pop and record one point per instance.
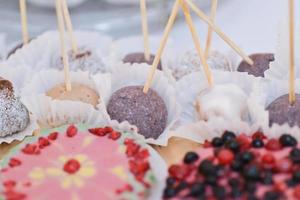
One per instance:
(226, 101)
(146, 111)
(281, 111)
(79, 92)
(261, 64)
(84, 60)
(191, 63)
(140, 58)
(14, 115)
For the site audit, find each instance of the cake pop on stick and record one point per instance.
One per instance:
(162, 45)
(206, 19)
(61, 27)
(67, 19)
(213, 11)
(286, 108)
(193, 31)
(23, 12)
(145, 29)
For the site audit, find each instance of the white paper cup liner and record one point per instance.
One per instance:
(43, 52)
(59, 112)
(32, 126)
(136, 74)
(264, 93)
(188, 89)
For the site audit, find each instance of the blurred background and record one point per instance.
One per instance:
(251, 24)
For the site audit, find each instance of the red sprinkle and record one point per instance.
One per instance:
(72, 166)
(258, 135)
(30, 149)
(132, 149)
(142, 154)
(9, 184)
(53, 136)
(13, 195)
(207, 144)
(225, 157)
(97, 131)
(43, 142)
(114, 135)
(14, 162)
(72, 131)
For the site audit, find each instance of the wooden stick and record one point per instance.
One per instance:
(145, 29)
(23, 12)
(61, 28)
(200, 52)
(206, 19)
(213, 11)
(292, 95)
(69, 24)
(162, 45)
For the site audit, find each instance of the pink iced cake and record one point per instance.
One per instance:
(76, 163)
(238, 167)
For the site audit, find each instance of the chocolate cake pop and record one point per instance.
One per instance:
(14, 116)
(79, 92)
(146, 111)
(192, 63)
(261, 64)
(140, 58)
(281, 111)
(226, 101)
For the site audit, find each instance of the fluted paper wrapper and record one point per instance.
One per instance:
(264, 93)
(188, 89)
(136, 74)
(44, 52)
(52, 113)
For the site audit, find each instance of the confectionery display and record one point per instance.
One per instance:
(146, 111)
(238, 167)
(261, 64)
(227, 101)
(14, 115)
(120, 114)
(79, 92)
(82, 160)
(140, 58)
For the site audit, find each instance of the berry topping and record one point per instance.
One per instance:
(287, 140)
(295, 155)
(217, 142)
(252, 172)
(179, 172)
(71, 166)
(225, 156)
(228, 135)
(233, 145)
(273, 145)
(114, 135)
(169, 192)
(197, 190)
(246, 157)
(206, 167)
(190, 157)
(171, 181)
(257, 143)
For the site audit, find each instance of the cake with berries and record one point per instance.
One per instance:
(238, 167)
(75, 163)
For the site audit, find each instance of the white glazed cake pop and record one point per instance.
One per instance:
(227, 101)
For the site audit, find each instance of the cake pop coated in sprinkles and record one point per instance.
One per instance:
(146, 111)
(140, 58)
(261, 64)
(14, 116)
(281, 111)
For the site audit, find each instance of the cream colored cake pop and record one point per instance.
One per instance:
(227, 101)
(79, 92)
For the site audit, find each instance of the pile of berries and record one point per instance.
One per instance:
(238, 167)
